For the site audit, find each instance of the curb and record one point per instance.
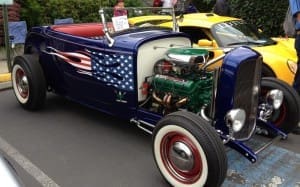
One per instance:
(5, 77)
(5, 85)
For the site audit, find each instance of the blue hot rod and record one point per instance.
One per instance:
(155, 79)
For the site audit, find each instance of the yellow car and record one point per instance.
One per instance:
(218, 32)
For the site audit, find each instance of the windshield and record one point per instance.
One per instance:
(239, 32)
(126, 18)
(122, 20)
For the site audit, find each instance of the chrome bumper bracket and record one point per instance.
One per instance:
(271, 128)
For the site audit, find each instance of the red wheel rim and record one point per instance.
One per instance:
(282, 114)
(186, 176)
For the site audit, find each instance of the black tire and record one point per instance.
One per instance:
(267, 72)
(29, 82)
(287, 117)
(209, 164)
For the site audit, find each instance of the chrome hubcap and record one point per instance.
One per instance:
(182, 156)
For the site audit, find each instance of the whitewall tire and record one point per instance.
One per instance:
(188, 151)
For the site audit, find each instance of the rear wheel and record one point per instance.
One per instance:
(188, 152)
(28, 82)
(287, 116)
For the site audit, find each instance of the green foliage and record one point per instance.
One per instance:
(133, 3)
(79, 10)
(266, 15)
(204, 5)
(40, 12)
(31, 11)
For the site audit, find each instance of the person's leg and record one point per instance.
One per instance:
(296, 83)
(296, 86)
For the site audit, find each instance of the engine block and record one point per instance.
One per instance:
(176, 93)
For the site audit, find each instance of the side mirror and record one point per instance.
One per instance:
(206, 43)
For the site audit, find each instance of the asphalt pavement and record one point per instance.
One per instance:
(78, 147)
(69, 145)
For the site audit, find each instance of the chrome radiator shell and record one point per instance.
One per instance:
(246, 93)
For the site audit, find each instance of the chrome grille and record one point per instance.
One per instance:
(246, 94)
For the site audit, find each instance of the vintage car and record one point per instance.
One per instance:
(213, 31)
(153, 78)
(9, 176)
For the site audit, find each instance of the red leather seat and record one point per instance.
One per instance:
(81, 29)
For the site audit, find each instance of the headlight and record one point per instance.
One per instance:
(292, 66)
(235, 119)
(275, 98)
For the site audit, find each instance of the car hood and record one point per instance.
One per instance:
(131, 39)
(283, 49)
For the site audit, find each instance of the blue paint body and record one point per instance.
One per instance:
(228, 79)
(100, 88)
(65, 79)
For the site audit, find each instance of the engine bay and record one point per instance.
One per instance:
(178, 82)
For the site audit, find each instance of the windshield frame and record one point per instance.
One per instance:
(108, 30)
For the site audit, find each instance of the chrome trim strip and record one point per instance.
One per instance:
(105, 29)
(139, 125)
(250, 108)
(212, 61)
(216, 78)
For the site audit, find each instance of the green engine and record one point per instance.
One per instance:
(174, 93)
(180, 84)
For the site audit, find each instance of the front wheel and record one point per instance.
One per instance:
(188, 151)
(287, 117)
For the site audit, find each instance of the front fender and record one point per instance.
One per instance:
(276, 57)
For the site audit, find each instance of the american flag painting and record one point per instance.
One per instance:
(110, 68)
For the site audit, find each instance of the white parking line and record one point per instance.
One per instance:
(28, 166)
